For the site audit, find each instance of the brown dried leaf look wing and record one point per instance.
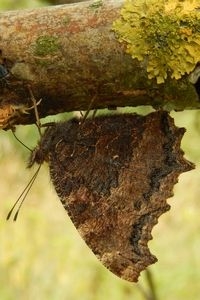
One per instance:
(113, 175)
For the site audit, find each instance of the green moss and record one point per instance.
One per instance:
(46, 45)
(96, 4)
(163, 34)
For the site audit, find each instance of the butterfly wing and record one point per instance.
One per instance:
(113, 175)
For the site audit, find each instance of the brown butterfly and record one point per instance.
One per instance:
(113, 175)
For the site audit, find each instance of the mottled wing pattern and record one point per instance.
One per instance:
(113, 175)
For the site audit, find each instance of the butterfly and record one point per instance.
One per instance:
(113, 175)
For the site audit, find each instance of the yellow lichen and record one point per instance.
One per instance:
(163, 34)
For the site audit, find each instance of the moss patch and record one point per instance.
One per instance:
(46, 45)
(97, 4)
(164, 34)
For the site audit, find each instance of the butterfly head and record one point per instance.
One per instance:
(41, 152)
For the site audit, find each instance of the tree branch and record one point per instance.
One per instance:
(68, 55)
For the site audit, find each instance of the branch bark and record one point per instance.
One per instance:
(69, 55)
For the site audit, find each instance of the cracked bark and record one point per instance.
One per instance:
(69, 55)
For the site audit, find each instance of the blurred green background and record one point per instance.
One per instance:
(43, 257)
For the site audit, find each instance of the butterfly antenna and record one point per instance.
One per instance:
(23, 194)
(20, 141)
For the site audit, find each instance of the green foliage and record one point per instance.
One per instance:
(163, 34)
(20, 4)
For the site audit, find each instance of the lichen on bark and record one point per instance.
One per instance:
(163, 34)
